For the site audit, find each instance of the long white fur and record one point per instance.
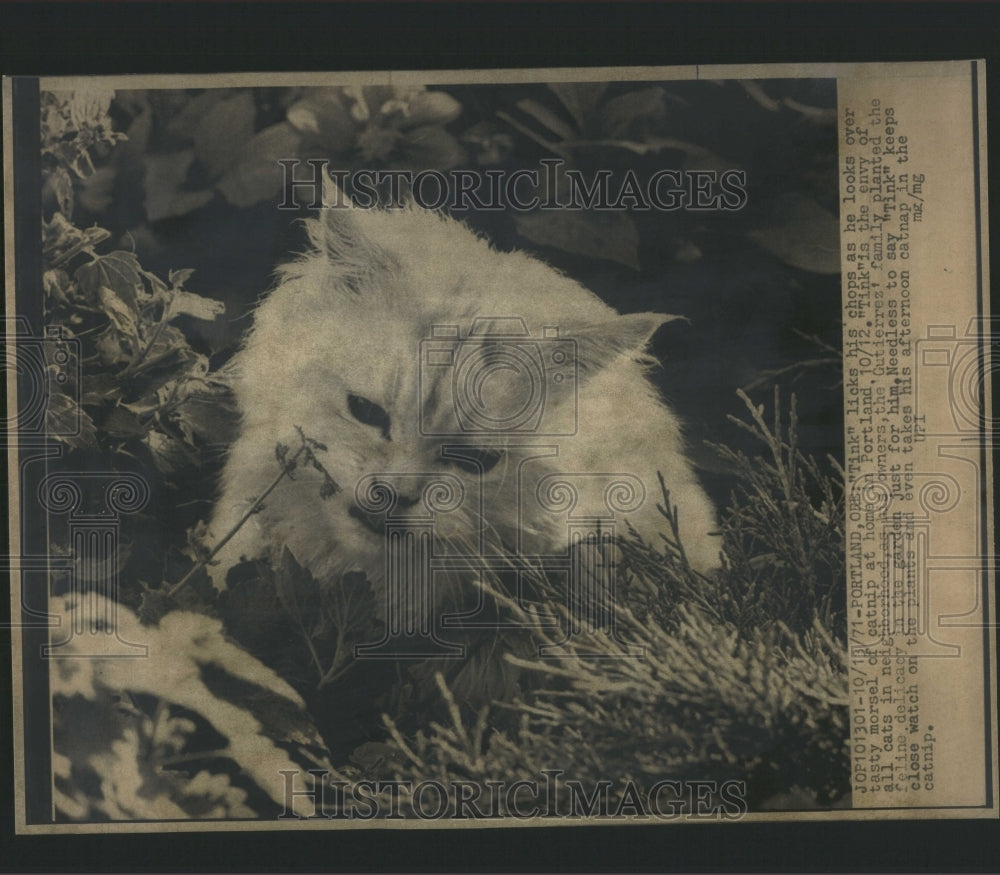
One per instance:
(348, 317)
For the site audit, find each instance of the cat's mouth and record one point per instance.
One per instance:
(373, 522)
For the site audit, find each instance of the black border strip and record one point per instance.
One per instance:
(27, 202)
(984, 441)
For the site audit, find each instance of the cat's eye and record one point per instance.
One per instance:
(369, 413)
(476, 459)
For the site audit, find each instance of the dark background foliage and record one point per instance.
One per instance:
(194, 187)
(194, 163)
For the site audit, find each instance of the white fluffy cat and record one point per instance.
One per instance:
(336, 350)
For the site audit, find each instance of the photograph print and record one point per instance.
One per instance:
(429, 454)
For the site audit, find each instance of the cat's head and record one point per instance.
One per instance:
(419, 355)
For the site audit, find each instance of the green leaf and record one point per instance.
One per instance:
(431, 108)
(609, 235)
(803, 234)
(170, 349)
(169, 454)
(122, 316)
(165, 174)
(431, 146)
(119, 271)
(200, 677)
(101, 571)
(257, 176)
(179, 277)
(321, 114)
(111, 347)
(189, 304)
(99, 388)
(96, 192)
(150, 402)
(222, 132)
(280, 718)
(252, 614)
(695, 157)
(351, 607)
(619, 112)
(124, 423)
(154, 605)
(138, 131)
(197, 591)
(159, 288)
(548, 118)
(185, 111)
(60, 185)
(67, 422)
(579, 98)
(297, 591)
(209, 415)
(56, 284)
(62, 240)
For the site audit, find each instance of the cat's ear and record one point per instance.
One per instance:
(599, 344)
(342, 225)
(347, 235)
(332, 196)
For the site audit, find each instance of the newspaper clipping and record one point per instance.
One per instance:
(528, 447)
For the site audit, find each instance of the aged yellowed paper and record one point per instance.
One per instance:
(500, 448)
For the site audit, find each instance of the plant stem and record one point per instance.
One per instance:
(194, 757)
(229, 535)
(138, 360)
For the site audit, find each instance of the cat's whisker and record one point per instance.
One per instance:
(502, 482)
